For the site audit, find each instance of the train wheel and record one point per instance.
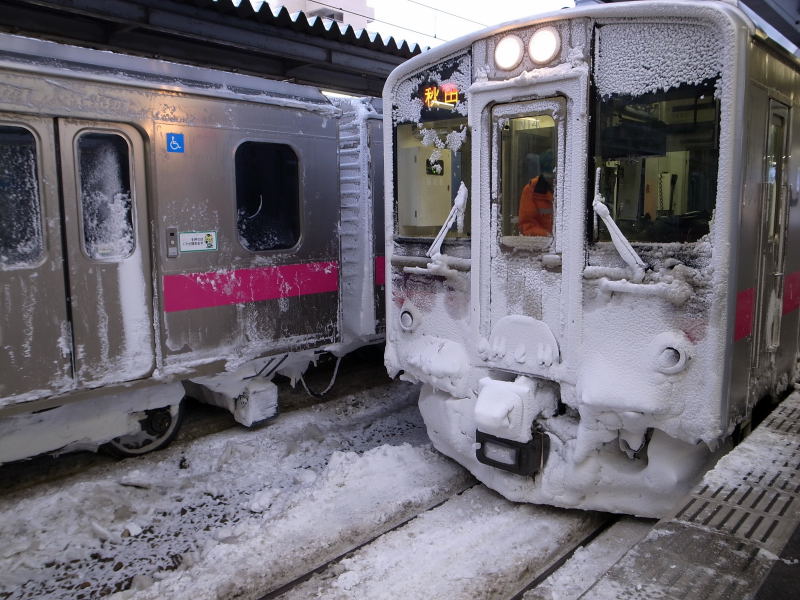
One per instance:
(158, 429)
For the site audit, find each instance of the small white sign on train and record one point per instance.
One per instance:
(197, 241)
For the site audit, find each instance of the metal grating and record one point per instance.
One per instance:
(745, 512)
(784, 419)
(763, 506)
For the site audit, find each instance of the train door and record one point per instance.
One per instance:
(108, 251)
(34, 336)
(773, 236)
(526, 258)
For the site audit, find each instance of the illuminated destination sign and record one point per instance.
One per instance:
(440, 96)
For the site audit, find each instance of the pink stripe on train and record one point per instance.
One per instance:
(745, 309)
(190, 291)
(746, 305)
(380, 270)
(791, 292)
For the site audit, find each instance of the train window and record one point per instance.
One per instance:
(774, 160)
(528, 164)
(433, 158)
(658, 154)
(267, 196)
(20, 210)
(106, 202)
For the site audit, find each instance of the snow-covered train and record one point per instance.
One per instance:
(168, 227)
(593, 246)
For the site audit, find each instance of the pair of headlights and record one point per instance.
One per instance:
(543, 47)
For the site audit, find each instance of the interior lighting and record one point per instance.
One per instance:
(508, 52)
(544, 45)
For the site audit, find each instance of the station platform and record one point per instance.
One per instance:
(737, 533)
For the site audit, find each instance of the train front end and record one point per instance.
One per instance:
(559, 247)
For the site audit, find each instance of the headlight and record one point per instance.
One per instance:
(544, 45)
(508, 52)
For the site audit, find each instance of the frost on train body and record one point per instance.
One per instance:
(593, 324)
(172, 229)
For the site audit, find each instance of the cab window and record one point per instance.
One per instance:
(433, 158)
(658, 155)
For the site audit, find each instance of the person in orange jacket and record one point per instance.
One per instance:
(536, 208)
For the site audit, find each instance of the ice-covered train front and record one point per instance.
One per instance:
(560, 248)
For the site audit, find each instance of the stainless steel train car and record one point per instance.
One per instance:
(593, 246)
(168, 227)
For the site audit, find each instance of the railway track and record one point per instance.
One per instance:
(341, 499)
(476, 544)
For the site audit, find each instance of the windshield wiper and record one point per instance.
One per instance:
(456, 216)
(623, 246)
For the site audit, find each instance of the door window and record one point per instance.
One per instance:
(774, 175)
(528, 166)
(105, 195)
(774, 226)
(20, 210)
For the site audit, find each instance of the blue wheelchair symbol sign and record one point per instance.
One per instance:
(175, 142)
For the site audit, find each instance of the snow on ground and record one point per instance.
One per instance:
(237, 513)
(590, 562)
(475, 545)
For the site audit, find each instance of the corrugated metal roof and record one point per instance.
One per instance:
(299, 21)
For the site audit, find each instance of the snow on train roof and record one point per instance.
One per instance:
(54, 58)
(625, 10)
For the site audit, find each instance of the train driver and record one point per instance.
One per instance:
(536, 201)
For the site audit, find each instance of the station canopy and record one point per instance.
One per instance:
(223, 34)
